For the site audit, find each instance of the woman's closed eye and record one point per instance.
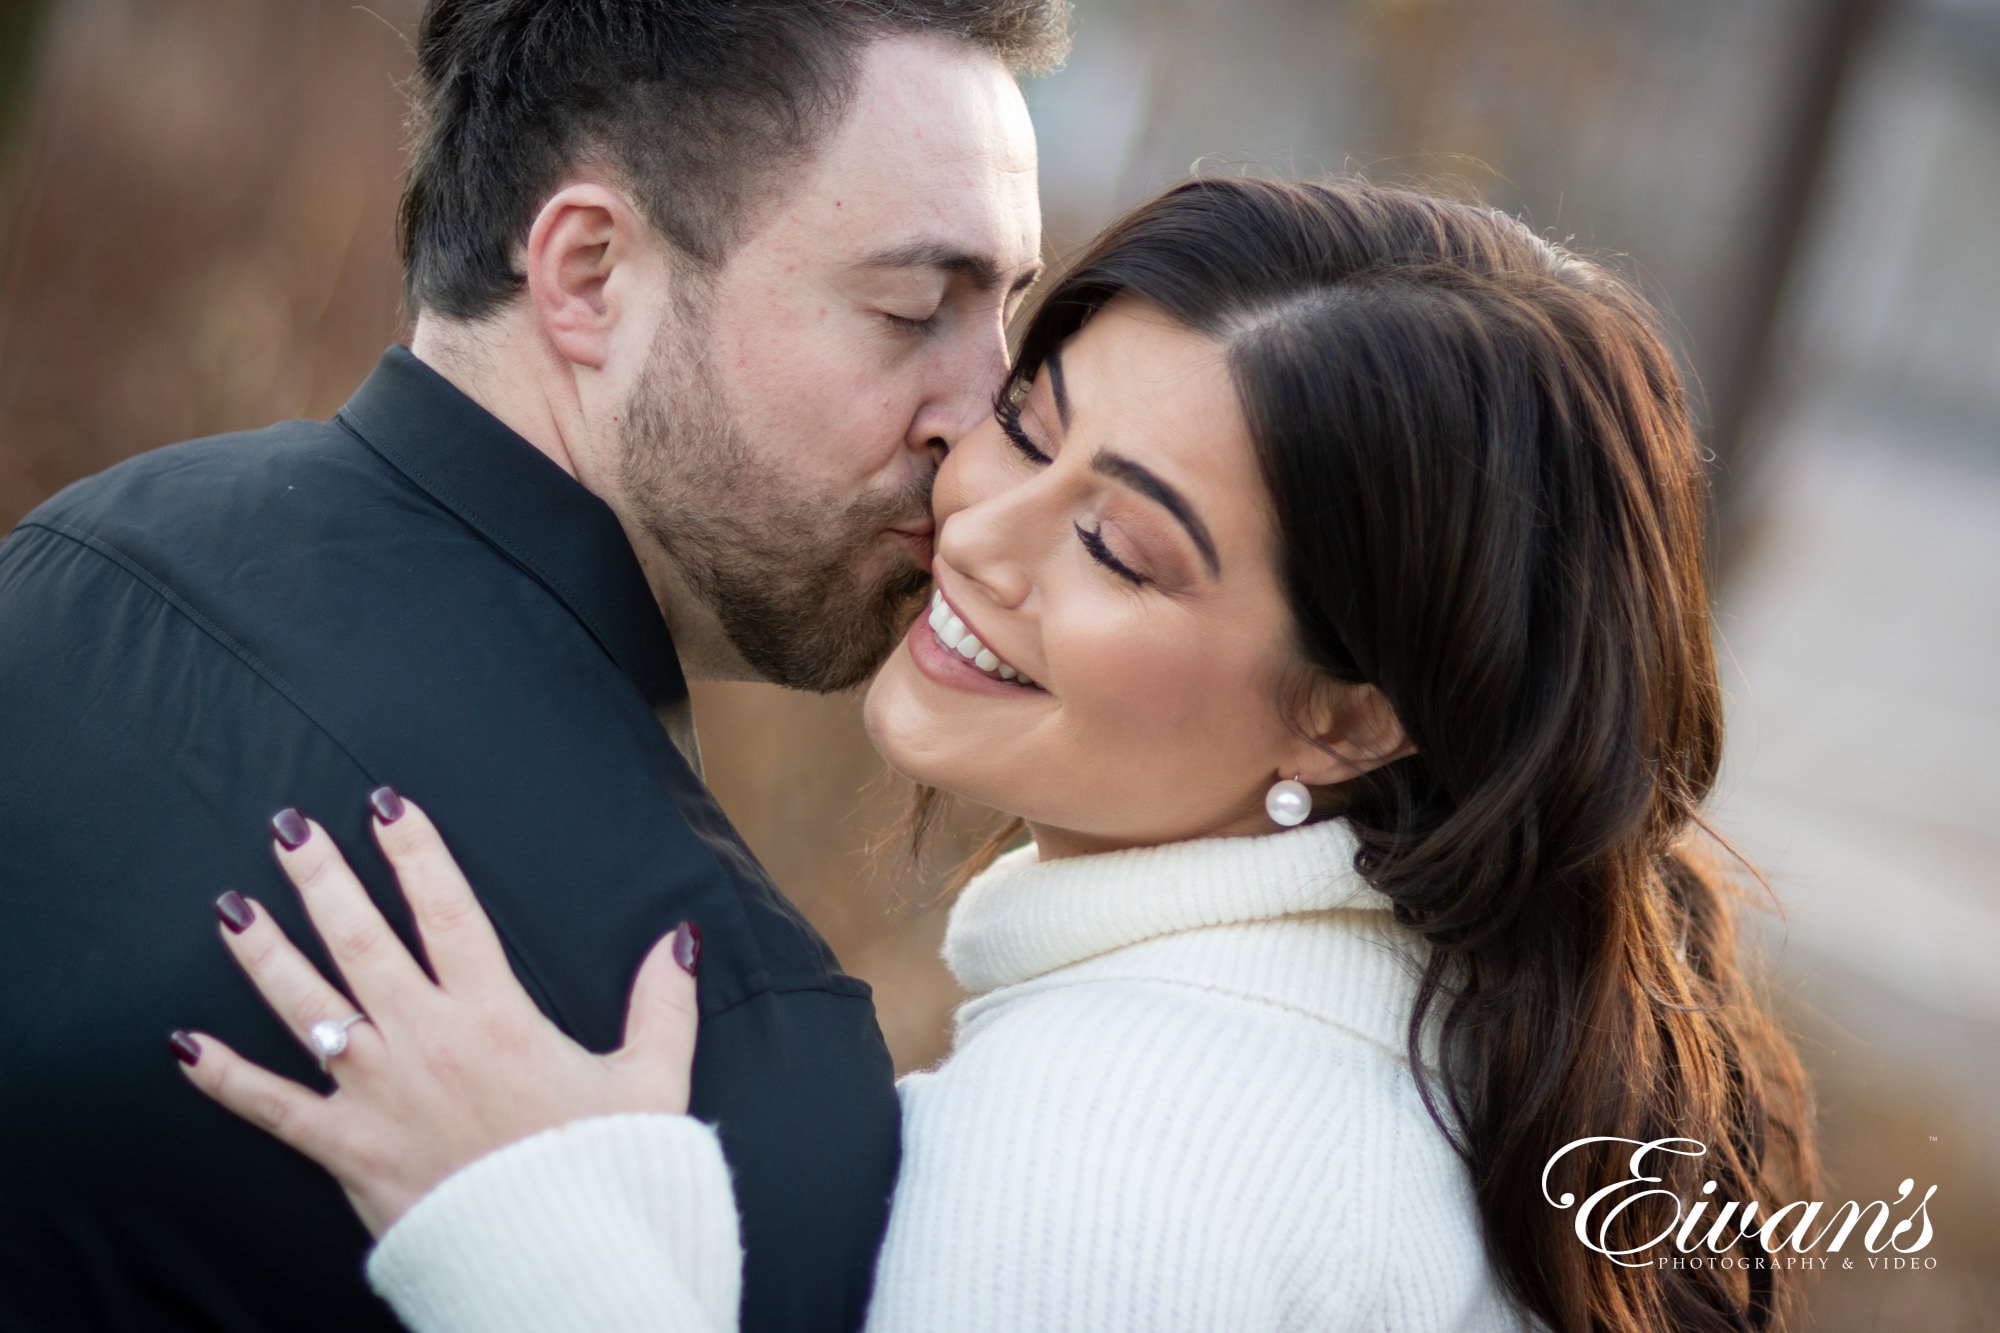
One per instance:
(1007, 411)
(1093, 542)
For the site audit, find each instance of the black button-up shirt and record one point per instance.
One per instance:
(409, 594)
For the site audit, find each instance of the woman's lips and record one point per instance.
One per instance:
(954, 633)
(946, 664)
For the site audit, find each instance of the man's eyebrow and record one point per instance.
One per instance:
(981, 270)
(1123, 469)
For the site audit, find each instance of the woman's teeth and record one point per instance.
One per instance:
(953, 634)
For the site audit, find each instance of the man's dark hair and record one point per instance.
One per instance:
(696, 106)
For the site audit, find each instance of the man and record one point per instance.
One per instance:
(702, 292)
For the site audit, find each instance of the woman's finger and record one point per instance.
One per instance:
(371, 959)
(661, 1021)
(286, 978)
(294, 1114)
(458, 936)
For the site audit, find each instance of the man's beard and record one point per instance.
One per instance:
(781, 569)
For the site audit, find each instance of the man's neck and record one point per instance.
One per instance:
(499, 366)
(506, 370)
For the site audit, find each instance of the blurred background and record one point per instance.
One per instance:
(196, 199)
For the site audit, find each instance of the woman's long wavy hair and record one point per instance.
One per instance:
(1491, 506)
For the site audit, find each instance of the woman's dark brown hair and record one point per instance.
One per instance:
(1491, 506)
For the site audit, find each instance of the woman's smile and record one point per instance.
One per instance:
(950, 631)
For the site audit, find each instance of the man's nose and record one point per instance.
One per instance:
(968, 377)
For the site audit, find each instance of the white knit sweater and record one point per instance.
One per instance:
(1178, 1100)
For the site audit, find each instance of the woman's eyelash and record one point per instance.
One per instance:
(1007, 411)
(1093, 542)
(908, 324)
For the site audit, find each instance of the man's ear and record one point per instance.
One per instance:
(584, 250)
(1349, 729)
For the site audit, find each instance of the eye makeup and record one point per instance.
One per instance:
(1115, 467)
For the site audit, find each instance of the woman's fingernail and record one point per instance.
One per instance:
(687, 946)
(235, 911)
(388, 805)
(185, 1048)
(291, 828)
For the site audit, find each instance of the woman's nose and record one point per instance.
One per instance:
(991, 542)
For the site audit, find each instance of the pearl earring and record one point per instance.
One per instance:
(1288, 802)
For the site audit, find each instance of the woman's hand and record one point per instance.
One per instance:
(442, 1072)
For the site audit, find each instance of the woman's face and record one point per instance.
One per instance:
(1113, 545)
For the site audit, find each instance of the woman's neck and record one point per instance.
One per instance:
(1055, 844)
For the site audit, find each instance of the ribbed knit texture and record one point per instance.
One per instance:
(620, 1224)
(1178, 1100)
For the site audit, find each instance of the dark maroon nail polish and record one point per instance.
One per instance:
(185, 1048)
(235, 911)
(687, 946)
(388, 805)
(291, 828)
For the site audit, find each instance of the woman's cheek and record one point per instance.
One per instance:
(1136, 696)
(978, 469)
(1202, 717)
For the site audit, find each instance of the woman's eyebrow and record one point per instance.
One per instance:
(1121, 469)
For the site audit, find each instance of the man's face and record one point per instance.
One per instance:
(781, 444)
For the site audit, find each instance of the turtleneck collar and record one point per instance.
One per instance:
(1022, 917)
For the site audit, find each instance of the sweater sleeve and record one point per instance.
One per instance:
(619, 1224)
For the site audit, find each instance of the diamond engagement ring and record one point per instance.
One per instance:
(328, 1037)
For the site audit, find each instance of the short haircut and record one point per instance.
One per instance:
(696, 106)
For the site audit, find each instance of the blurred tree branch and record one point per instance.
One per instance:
(1834, 40)
(20, 36)
(20, 26)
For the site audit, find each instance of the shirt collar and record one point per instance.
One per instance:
(521, 502)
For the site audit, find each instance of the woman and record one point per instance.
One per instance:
(1325, 599)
